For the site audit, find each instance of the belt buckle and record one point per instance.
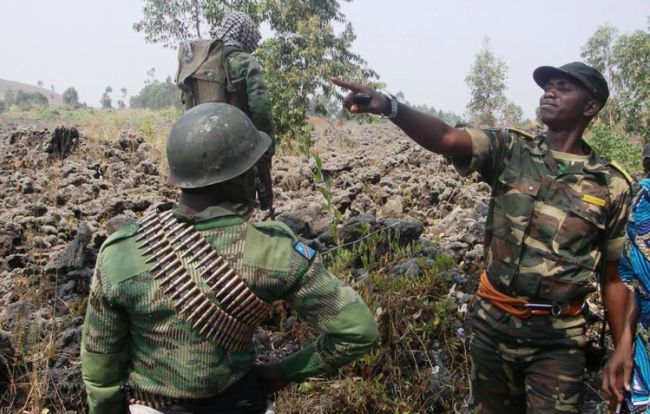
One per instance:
(539, 306)
(556, 310)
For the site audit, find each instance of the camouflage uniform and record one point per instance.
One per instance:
(133, 334)
(245, 68)
(548, 218)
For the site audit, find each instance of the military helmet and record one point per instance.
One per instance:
(646, 151)
(211, 143)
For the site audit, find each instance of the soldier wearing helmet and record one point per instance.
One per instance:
(176, 297)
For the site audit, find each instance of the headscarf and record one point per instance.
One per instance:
(237, 29)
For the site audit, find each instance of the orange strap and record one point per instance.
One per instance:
(502, 301)
(516, 306)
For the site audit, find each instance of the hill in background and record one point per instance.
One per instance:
(53, 98)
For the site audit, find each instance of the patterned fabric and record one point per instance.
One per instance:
(552, 381)
(547, 228)
(132, 333)
(237, 29)
(635, 273)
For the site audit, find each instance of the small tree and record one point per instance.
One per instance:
(106, 100)
(625, 61)
(487, 83)
(71, 97)
(121, 103)
(2, 106)
(40, 84)
(488, 105)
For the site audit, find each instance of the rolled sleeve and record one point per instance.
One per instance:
(614, 249)
(480, 151)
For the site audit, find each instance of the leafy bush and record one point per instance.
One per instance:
(2, 106)
(616, 145)
(25, 99)
(71, 97)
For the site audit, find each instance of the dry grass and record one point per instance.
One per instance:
(420, 365)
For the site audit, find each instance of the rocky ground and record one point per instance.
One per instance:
(63, 193)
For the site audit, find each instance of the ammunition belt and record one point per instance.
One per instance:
(230, 323)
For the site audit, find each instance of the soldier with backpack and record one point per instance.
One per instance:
(223, 69)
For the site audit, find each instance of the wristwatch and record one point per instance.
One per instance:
(394, 104)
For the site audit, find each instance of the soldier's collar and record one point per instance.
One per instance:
(593, 164)
(238, 212)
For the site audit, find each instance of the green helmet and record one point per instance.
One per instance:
(211, 143)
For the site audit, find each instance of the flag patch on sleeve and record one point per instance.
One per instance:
(305, 250)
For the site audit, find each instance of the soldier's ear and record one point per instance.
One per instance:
(591, 108)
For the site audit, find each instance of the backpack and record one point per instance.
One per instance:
(202, 73)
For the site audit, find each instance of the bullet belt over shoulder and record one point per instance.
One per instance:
(231, 322)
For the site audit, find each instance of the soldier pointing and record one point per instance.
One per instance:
(176, 298)
(556, 220)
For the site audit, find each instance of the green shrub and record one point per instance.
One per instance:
(616, 145)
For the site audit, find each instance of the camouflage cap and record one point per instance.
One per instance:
(587, 76)
(646, 151)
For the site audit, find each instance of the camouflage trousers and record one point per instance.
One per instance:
(523, 379)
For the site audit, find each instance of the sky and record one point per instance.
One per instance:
(423, 48)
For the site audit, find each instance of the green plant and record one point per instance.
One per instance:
(616, 145)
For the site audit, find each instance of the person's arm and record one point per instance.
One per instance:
(616, 296)
(348, 329)
(244, 67)
(619, 292)
(618, 370)
(430, 132)
(104, 351)
(259, 98)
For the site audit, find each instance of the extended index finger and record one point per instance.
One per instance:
(354, 87)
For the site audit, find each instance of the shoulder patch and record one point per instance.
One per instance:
(120, 234)
(620, 169)
(305, 251)
(521, 133)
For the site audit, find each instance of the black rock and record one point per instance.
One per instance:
(356, 227)
(407, 267)
(63, 142)
(296, 224)
(73, 256)
(17, 261)
(405, 231)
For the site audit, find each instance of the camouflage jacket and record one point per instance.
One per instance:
(244, 70)
(549, 215)
(133, 334)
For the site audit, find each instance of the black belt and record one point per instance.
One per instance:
(243, 397)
